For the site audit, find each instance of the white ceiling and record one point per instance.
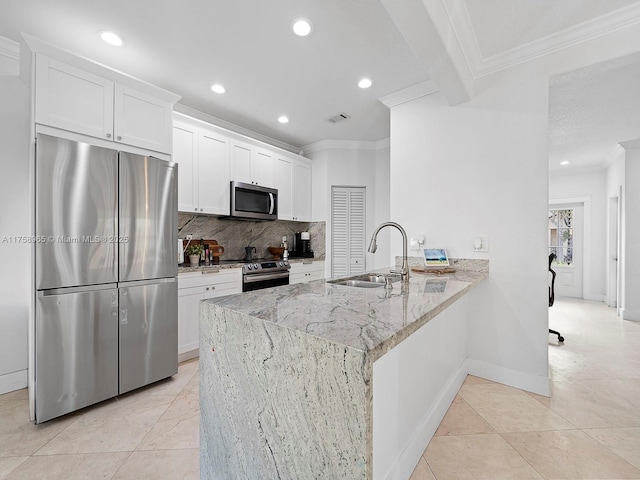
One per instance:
(593, 109)
(247, 45)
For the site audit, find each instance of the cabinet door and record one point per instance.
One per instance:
(284, 184)
(184, 154)
(189, 317)
(262, 168)
(241, 162)
(142, 120)
(213, 173)
(302, 192)
(72, 99)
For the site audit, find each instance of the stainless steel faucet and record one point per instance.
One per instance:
(404, 271)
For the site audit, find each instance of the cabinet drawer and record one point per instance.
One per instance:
(197, 279)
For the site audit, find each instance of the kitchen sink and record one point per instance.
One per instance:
(364, 281)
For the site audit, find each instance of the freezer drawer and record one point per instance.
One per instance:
(147, 218)
(76, 343)
(76, 213)
(148, 333)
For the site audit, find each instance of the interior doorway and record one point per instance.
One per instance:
(566, 240)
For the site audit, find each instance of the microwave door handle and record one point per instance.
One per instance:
(271, 203)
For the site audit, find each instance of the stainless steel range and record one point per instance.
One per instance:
(261, 274)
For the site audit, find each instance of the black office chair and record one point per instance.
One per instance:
(552, 257)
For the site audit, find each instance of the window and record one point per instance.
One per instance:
(561, 236)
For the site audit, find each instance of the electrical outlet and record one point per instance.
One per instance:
(481, 244)
(189, 236)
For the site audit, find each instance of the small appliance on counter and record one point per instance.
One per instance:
(302, 246)
(248, 255)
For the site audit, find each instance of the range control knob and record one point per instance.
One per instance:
(281, 264)
(250, 267)
(255, 265)
(286, 264)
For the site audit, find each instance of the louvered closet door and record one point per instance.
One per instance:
(348, 228)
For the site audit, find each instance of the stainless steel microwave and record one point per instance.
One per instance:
(253, 202)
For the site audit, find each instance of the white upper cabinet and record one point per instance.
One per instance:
(80, 96)
(202, 155)
(73, 99)
(141, 120)
(293, 181)
(250, 164)
(185, 147)
(302, 191)
(213, 172)
(241, 154)
(210, 157)
(284, 184)
(262, 167)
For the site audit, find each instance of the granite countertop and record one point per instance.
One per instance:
(372, 320)
(239, 264)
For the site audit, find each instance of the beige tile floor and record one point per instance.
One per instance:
(588, 429)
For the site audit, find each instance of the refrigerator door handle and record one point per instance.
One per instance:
(88, 288)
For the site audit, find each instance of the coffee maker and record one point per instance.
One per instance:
(302, 246)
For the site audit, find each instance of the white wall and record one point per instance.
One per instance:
(591, 185)
(15, 220)
(353, 164)
(481, 168)
(631, 236)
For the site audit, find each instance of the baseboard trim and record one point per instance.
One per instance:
(191, 354)
(629, 315)
(410, 456)
(513, 378)
(13, 381)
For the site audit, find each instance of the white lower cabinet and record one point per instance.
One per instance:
(306, 272)
(194, 287)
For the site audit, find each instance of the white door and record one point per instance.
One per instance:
(566, 239)
(348, 227)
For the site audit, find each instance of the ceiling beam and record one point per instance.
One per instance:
(426, 27)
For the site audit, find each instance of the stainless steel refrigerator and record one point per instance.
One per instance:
(106, 290)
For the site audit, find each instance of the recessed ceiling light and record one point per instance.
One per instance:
(302, 27)
(365, 83)
(565, 162)
(112, 39)
(217, 88)
(283, 119)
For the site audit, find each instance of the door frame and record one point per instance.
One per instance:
(586, 240)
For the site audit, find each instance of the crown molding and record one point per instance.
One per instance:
(630, 144)
(611, 158)
(237, 129)
(346, 145)
(9, 48)
(418, 90)
(570, 37)
(568, 171)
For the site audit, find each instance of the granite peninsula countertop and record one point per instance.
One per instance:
(372, 320)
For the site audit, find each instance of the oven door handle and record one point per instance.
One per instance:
(272, 203)
(264, 276)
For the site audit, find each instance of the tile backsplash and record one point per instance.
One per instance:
(234, 235)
